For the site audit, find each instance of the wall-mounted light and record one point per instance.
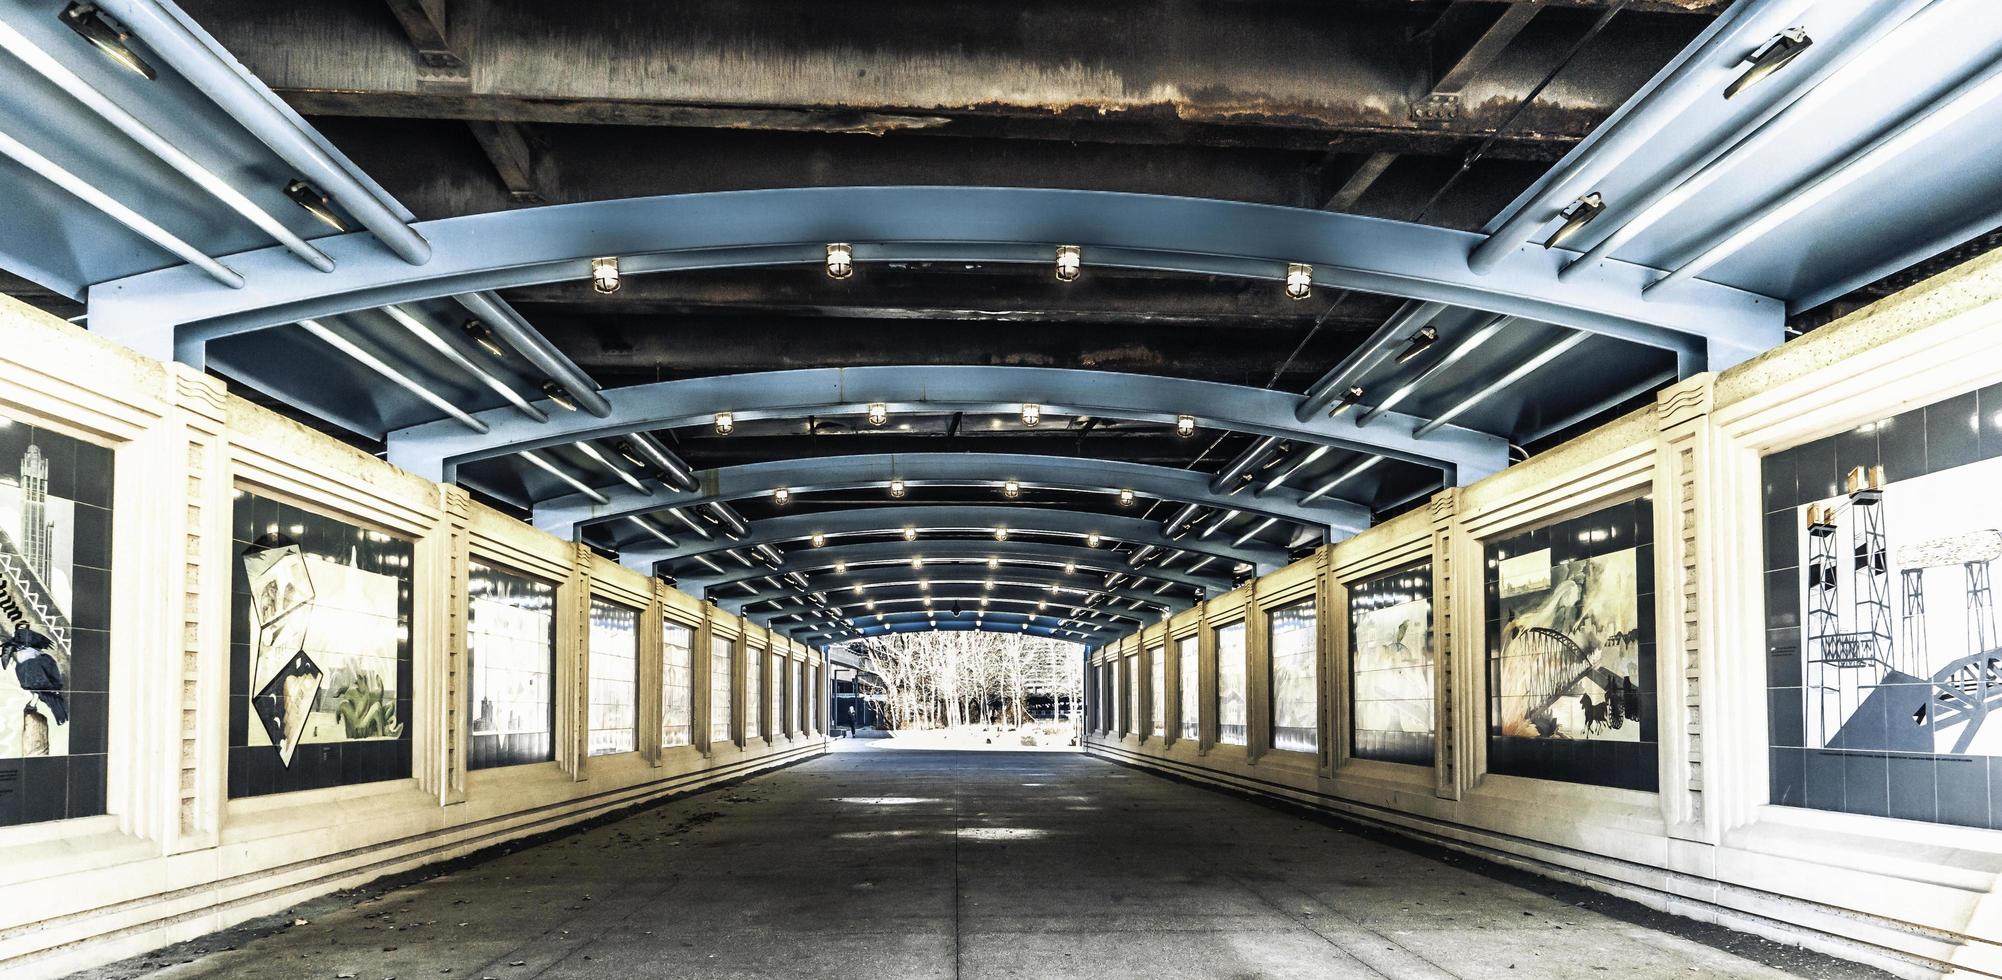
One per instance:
(558, 396)
(1347, 401)
(112, 39)
(840, 260)
(1125, 498)
(897, 486)
(1091, 540)
(910, 533)
(726, 423)
(316, 204)
(1779, 51)
(1070, 263)
(1011, 489)
(1299, 280)
(818, 539)
(1032, 414)
(605, 274)
(1185, 426)
(782, 496)
(1576, 215)
(879, 413)
(1424, 338)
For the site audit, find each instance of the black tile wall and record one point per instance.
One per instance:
(1946, 788)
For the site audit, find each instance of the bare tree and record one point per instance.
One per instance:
(953, 678)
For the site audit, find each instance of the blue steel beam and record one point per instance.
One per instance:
(176, 312)
(1087, 638)
(949, 552)
(933, 518)
(1010, 617)
(901, 580)
(434, 450)
(912, 611)
(563, 516)
(968, 596)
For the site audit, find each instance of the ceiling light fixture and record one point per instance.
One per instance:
(1091, 540)
(879, 413)
(1125, 498)
(896, 486)
(1299, 280)
(1779, 51)
(726, 423)
(1070, 568)
(484, 339)
(1185, 426)
(840, 568)
(1348, 400)
(558, 396)
(1032, 414)
(840, 260)
(910, 533)
(1011, 489)
(918, 561)
(1000, 534)
(1576, 216)
(112, 39)
(782, 496)
(819, 539)
(605, 274)
(316, 204)
(1070, 263)
(1424, 338)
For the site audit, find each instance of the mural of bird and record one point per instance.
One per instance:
(35, 668)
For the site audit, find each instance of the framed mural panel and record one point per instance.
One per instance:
(511, 640)
(1233, 723)
(755, 675)
(615, 678)
(55, 613)
(677, 686)
(1394, 716)
(1186, 664)
(721, 649)
(1157, 686)
(1291, 632)
(1571, 650)
(320, 651)
(1884, 660)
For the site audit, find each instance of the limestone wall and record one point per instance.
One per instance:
(1749, 779)
(178, 813)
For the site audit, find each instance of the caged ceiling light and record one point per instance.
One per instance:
(879, 413)
(840, 260)
(1000, 534)
(918, 561)
(1125, 498)
(1576, 216)
(782, 496)
(558, 396)
(1032, 414)
(897, 486)
(819, 539)
(1299, 280)
(1011, 489)
(1070, 263)
(605, 274)
(1778, 52)
(910, 533)
(1185, 426)
(726, 423)
(316, 204)
(114, 40)
(1090, 541)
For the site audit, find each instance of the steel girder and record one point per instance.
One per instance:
(174, 313)
(933, 518)
(434, 450)
(911, 610)
(1085, 638)
(563, 516)
(968, 595)
(898, 581)
(950, 552)
(1005, 618)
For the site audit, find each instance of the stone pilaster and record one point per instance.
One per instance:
(193, 494)
(453, 552)
(1451, 720)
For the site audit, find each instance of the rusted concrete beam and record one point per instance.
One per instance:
(1280, 75)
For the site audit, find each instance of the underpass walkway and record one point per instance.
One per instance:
(878, 863)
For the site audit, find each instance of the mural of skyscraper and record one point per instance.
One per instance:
(36, 530)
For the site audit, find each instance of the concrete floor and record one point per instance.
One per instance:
(880, 863)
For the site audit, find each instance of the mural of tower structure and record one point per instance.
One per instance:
(36, 532)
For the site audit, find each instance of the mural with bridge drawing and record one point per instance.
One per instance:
(1570, 650)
